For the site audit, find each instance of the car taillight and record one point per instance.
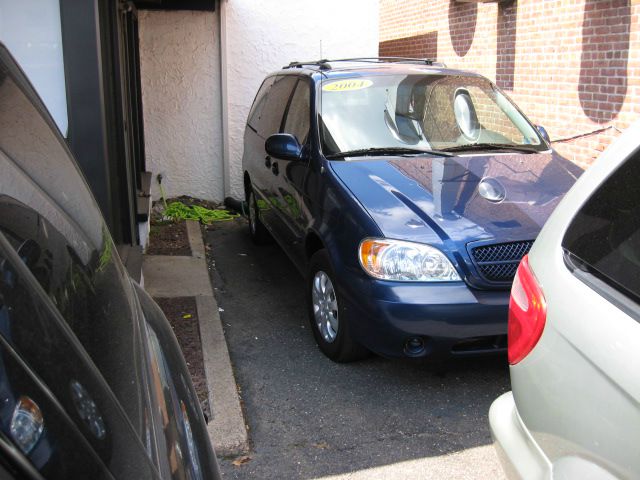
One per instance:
(527, 313)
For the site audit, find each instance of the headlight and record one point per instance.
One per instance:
(405, 261)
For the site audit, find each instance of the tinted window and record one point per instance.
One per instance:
(258, 103)
(604, 237)
(276, 102)
(299, 113)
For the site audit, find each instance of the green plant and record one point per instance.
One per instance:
(180, 211)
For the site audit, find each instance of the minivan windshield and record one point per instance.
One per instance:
(420, 112)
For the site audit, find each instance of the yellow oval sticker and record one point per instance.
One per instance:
(347, 85)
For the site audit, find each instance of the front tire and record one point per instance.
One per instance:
(326, 313)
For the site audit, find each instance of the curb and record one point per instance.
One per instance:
(227, 428)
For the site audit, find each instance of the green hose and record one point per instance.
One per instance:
(180, 211)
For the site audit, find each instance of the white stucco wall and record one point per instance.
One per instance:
(183, 84)
(264, 35)
(180, 73)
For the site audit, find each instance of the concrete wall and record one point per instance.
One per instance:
(188, 102)
(571, 65)
(264, 35)
(180, 71)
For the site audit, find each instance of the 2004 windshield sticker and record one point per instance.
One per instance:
(347, 85)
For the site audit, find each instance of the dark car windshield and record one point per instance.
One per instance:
(424, 112)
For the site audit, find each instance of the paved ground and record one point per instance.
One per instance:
(310, 418)
(186, 276)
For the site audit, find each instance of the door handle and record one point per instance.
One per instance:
(267, 161)
(274, 168)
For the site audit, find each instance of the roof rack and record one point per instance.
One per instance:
(325, 64)
(322, 64)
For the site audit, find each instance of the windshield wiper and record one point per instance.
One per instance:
(492, 146)
(363, 152)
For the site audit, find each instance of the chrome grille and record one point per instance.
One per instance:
(499, 262)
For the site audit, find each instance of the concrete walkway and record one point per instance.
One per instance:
(311, 418)
(181, 276)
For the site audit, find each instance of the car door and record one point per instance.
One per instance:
(578, 390)
(252, 158)
(67, 302)
(37, 434)
(270, 122)
(290, 176)
(56, 411)
(71, 321)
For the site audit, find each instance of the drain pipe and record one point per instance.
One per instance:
(231, 203)
(224, 97)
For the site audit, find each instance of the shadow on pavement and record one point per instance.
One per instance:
(309, 417)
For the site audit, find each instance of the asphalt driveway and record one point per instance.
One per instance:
(310, 418)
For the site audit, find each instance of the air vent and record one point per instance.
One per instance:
(499, 262)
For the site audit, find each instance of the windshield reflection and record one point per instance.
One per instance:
(421, 111)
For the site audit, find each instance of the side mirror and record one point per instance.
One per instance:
(543, 133)
(283, 145)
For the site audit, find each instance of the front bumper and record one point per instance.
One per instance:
(519, 454)
(449, 318)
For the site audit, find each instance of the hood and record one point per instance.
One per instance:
(436, 200)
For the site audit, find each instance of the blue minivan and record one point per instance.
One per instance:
(406, 193)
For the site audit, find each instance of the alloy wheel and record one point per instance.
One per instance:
(325, 306)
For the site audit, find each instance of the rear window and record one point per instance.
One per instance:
(266, 118)
(604, 237)
(299, 114)
(258, 103)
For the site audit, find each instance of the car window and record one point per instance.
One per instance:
(50, 218)
(276, 102)
(299, 112)
(604, 237)
(419, 111)
(258, 102)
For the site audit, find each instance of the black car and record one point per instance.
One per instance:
(92, 380)
(406, 193)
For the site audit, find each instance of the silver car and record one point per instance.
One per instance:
(574, 333)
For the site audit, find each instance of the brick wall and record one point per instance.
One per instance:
(571, 65)
(418, 46)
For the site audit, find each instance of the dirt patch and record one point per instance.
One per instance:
(195, 201)
(183, 317)
(169, 238)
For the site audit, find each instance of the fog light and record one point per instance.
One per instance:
(414, 346)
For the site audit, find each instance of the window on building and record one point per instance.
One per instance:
(31, 30)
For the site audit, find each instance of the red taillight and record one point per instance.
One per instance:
(527, 313)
